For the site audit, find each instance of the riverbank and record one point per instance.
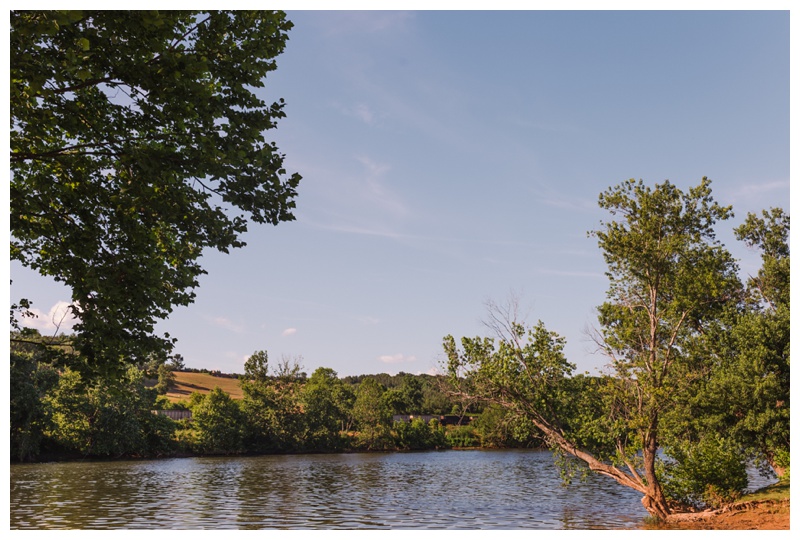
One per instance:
(765, 509)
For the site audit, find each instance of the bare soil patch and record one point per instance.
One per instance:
(746, 515)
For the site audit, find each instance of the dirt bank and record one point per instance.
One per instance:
(748, 515)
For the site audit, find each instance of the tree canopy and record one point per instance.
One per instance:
(669, 277)
(137, 140)
(745, 394)
(673, 287)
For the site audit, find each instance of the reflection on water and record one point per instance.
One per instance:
(428, 490)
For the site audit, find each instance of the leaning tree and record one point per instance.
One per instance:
(669, 278)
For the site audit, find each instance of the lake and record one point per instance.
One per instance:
(469, 489)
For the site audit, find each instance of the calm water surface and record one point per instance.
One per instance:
(430, 490)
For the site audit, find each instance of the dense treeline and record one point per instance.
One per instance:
(56, 412)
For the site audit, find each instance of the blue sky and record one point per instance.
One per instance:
(449, 158)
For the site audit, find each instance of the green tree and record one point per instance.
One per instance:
(327, 404)
(372, 414)
(707, 470)
(106, 417)
(219, 423)
(411, 395)
(746, 396)
(195, 399)
(500, 428)
(419, 435)
(258, 402)
(31, 379)
(166, 379)
(669, 279)
(290, 420)
(770, 235)
(404, 397)
(176, 363)
(524, 371)
(256, 367)
(271, 403)
(759, 418)
(435, 399)
(137, 140)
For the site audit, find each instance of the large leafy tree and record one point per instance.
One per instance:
(372, 414)
(29, 382)
(327, 404)
(271, 402)
(105, 417)
(219, 423)
(406, 398)
(762, 336)
(137, 140)
(669, 280)
(746, 395)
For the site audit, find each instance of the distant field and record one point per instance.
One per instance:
(187, 382)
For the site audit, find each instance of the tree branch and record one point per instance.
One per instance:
(81, 86)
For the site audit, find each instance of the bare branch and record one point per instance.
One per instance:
(81, 86)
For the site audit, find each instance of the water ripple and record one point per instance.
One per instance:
(428, 490)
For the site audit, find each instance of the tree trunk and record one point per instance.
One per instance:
(779, 471)
(556, 438)
(655, 503)
(654, 500)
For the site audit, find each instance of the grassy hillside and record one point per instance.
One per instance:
(187, 382)
(775, 492)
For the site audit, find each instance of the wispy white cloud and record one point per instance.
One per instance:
(397, 358)
(363, 111)
(571, 273)
(357, 196)
(416, 239)
(228, 324)
(549, 192)
(352, 229)
(376, 191)
(374, 169)
(348, 23)
(570, 203)
(371, 321)
(289, 332)
(546, 127)
(747, 191)
(58, 319)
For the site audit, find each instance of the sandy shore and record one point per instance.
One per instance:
(758, 515)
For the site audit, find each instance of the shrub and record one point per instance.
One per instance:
(219, 423)
(419, 435)
(709, 472)
(462, 436)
